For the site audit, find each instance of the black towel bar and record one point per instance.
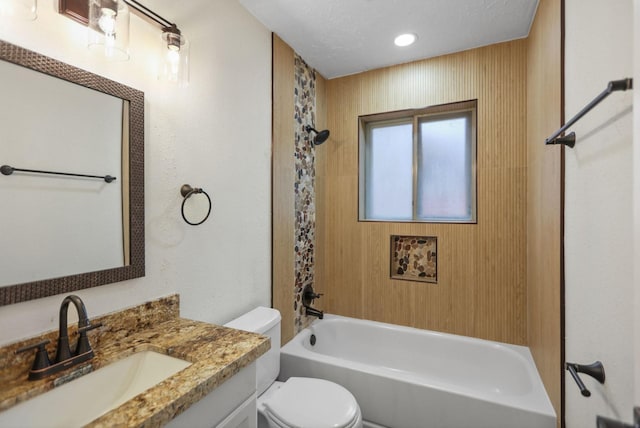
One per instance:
(570, 140)
(8, 170)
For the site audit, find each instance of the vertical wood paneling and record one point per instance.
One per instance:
(481, 289)
(544, 192)
(283, 176)
(320, 165)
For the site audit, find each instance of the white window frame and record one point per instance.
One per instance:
(414, 116)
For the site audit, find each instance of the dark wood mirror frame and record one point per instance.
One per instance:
(78, 10)
(49, 287)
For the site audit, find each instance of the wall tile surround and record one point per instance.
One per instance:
(488, 277)
(298, 101)
(304, 190)
(544, 198)
(482, 267)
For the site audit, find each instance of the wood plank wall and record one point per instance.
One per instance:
(481, 290)
(321, 166)
(544, 197)
(283, 176)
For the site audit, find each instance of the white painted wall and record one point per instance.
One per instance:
(215, 134)
(636, 195)
(598, 209)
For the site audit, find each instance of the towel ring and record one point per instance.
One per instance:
(187, 191)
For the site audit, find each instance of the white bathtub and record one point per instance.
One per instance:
(410, 378)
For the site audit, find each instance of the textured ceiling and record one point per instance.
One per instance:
(341, 37)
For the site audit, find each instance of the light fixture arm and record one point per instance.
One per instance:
(165, 24)
(170, 32)
(104, 20)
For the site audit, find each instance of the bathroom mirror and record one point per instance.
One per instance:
(66, 233)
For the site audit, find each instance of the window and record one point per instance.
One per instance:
(419, 165)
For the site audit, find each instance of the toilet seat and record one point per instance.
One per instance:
(312, 403)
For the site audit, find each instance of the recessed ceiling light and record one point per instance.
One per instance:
(405, 39)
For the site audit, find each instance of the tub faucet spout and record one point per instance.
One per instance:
(313, 312)
(308, 296)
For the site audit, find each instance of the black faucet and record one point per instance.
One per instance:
(42, 366)
(309, 311)
(308, 296)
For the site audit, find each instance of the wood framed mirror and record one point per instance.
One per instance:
(131, 182)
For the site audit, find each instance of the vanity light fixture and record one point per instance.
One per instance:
(108, 32)
(174, 54)
(405, 39)
(174, 47)
(108, 22)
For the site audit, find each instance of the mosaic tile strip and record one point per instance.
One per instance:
(304, 196)
(414, 258)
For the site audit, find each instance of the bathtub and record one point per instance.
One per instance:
(404, 377)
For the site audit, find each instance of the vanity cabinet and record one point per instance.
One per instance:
(230, 405)
(217, 388)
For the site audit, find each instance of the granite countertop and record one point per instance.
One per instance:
(216, 353)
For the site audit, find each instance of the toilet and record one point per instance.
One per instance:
(299, 402)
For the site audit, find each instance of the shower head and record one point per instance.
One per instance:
(321, 136)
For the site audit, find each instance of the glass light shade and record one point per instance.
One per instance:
(174, 57)
(109, 29)
(21, 9)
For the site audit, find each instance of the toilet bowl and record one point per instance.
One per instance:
(309, 403)
(297, 402)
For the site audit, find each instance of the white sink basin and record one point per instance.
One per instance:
(84, 399)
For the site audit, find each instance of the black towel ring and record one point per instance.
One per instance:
(186, 191)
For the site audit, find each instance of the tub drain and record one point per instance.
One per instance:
(312, 339)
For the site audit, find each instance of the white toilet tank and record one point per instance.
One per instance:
(264, 321)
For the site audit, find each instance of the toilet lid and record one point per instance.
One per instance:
(312, 403)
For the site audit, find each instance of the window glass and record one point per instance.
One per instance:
(389, 167)
(444, 167)
(419, 165)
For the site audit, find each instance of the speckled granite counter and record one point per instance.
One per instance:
(216, 354)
